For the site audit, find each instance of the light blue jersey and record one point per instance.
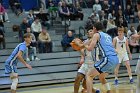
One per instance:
(105, 45)
(11, 62)
(109, 56)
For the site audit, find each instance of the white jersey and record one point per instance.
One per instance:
(121, 45)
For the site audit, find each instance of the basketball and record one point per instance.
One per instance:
(75, 46)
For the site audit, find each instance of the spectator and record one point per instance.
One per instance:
(4, 14)
(67, 39)
(122, 22)
(24, 25)
(105, 7)
(79, 11)
(102, 15)
(31, 16)
(113, 7)
(2, 39)
(97, 7)
(110, 24)
(131, 31)
(36, 28)
(64, 12)
(16, 7)
(45, 43)
(129, 14)
(95, 17)
(112, 15)
(43, 18)
(52, 8)
(32, 47)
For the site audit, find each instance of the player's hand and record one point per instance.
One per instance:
(130, 56)
(29, 66)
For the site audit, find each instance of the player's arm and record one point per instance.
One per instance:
(128, 49)
(114, 43)
(20, 58)
(94, 40)
(82, 56)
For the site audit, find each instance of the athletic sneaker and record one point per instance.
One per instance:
(131, 81)
(37, 59)
(97, 91)
(116, 82)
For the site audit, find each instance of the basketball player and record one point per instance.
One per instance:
(87, 62)
(109, 60)
(121, 45)
(14, 58)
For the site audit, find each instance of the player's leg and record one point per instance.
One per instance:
(78, 79)
(127, 64)
(116, 71)
(14, 78)
(89, 79)
(102, 79)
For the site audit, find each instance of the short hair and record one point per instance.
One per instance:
(27, 35)
(98, 26)
(120, 29)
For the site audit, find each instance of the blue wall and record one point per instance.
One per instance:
(26, 4)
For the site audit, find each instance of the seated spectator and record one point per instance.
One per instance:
(45, 43)
(16, 7)
(2, 39)
(134, 43)
(97, 7)
(110, 24)
(36, 28)
(122, 22)
(67, 39)
(105, 7)
(129, 14)
(112, 15)
(80, 14)
(23, 27)
(64, 12)
(113, 6)
(32, 47)
(102, 15)
(52, 8)
(3, 14)
(43, 18)
(95, 17)
(31, 16)
(131, 31)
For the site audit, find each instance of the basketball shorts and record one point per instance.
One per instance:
(106, 64)
(85, 67)
(123, 58)
(10, 69)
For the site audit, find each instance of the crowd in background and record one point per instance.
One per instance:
(37, 24)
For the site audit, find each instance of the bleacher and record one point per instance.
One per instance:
(58, 67)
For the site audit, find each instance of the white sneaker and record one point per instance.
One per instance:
(27, 59)
(37, 59)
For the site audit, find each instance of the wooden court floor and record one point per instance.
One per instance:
(68, 88)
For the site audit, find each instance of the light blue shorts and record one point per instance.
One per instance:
(107, 64)
(10, 69)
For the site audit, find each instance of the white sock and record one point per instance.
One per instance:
(130, 77)
(107, 86)
(116, 78)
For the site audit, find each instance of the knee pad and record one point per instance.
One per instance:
(14, 83)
